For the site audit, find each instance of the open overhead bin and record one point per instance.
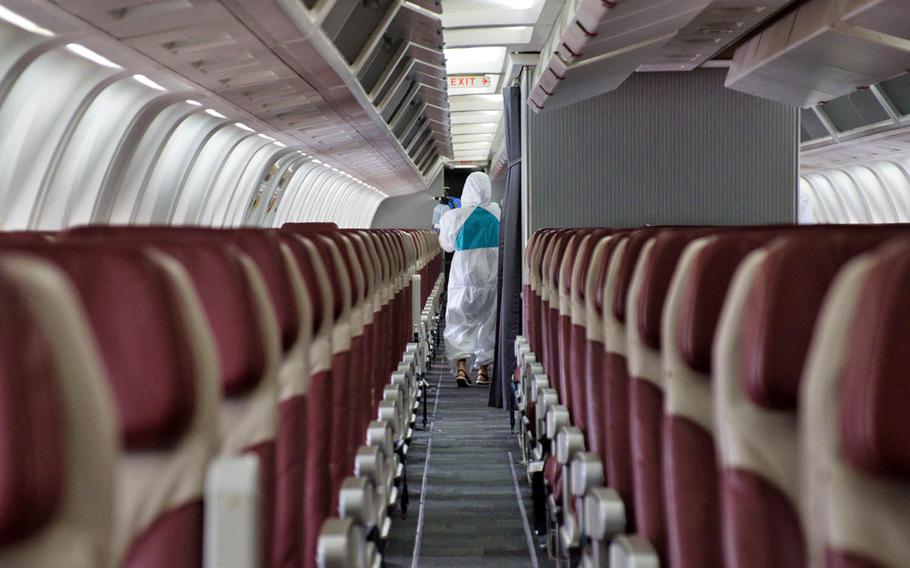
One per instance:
(823, 49)
(598, 44)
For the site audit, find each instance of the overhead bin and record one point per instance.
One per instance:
(823, 49)
(719, 26)
(597, 45)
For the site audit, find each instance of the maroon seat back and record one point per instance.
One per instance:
(32, 421)
(691, 490)
(595, 370)
(779, 311)
(577, 332)
(856, 446)
(644, 311)
(138, 316)
(58, 434)
(616, 386)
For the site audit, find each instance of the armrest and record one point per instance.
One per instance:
(540, 382)
(633, 551)
(557, 418)
(521, 342)
(587, 473)
(356, 501)
(390, 410)
(569, 440)
(371, 464)
(232, 512)
(340, 545)
(605, 514)
(546, 399)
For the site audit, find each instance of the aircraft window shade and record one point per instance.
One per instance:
(252, 174)
(857, 209)
(35, 118)
(897, 183)
(302, 177)
(201, 174)
(123, 191)
(171, 166)
(822, 209)
(812, 126)
(855, 111)
(897, 90)
(232, 172)
(876, 195)
(72, 188)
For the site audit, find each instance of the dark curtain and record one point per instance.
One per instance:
(509, 293)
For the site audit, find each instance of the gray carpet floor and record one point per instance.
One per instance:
(471, 501)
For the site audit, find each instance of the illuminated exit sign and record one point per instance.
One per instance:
(470, 81)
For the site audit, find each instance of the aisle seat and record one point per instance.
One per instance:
(60, 436)
(162, 366)
(261, 303)
(614, 423)
(647, 295)
(317, 504)
(562, 294)
(579, 321)
(691, 315)
(764, 335)
(340, 460)
(854, 429)
(602, 259)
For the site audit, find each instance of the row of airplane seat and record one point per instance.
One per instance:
(186, 397)
(719, 396)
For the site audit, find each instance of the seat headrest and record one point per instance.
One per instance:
(225, 295)
(262, 246)
(570, 255)
(342, 242)
(32, 415)
(875, 398)
(308, 273)
(783, 304)
(133, 307)
(634, 244)
(600, 302)
(558, 248)
(658, 273)
(585, 254)
(705, 292)
(328, 262)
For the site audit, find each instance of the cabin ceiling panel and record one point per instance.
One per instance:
(254, 55)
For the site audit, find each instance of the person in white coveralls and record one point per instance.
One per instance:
(472, 233)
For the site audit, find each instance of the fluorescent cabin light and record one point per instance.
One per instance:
(474, 60)
(315, 161)
(87, 53)
(194, 103)
(23, 23)
(266, 137)
(143, 80)
(243, 126)
(215, 113)
(279, 144)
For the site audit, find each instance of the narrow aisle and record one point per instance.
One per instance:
(476, 498)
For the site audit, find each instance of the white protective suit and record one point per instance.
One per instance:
(472, 233)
